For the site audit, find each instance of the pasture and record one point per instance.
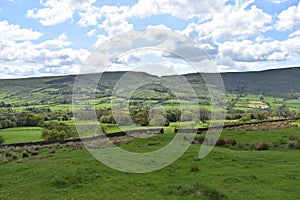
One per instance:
(224, 174)
(21, 134)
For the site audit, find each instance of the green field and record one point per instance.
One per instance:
(21, 134)
(223, 174)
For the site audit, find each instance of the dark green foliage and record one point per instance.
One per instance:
(57, 131)
(28, 119)
(173, 115)
(142, 117)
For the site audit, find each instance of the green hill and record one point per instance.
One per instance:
(52, 90)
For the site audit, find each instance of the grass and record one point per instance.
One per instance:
(223, 174)
(270, 137)
(21, 134)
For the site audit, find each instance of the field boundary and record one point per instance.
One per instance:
(141, 131)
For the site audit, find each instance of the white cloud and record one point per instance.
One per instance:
(90, 16)
(91, 33)
(59, 42)
(249, 51)
(184, 9)
(11, 32)
(100, 39)
(161, 26)
(279, 1)
(296, 33)
(289, 19)
(58, 11)
(233, 23)
(22, 56)
(115, 20)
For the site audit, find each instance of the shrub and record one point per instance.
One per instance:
(195, 190)
(57, 131)
(34, 153)
(293, 145)
(2, 140)
(292, 137)
(8, 154)
(15, 157)
(25, 154)
(259, 146)
(222, 141)
(194, 168)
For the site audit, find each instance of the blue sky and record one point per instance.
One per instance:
(55, 37)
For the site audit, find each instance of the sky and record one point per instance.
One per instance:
(55, 37)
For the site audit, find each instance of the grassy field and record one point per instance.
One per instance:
(223, 174)
(21, 134)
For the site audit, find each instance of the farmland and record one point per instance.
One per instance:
(224, 174)
(250, 161)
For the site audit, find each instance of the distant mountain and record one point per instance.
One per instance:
(277, 82)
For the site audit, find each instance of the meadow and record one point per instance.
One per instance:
(226, 173)
(21, 134)
(231, 171)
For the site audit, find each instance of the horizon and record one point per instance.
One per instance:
(64, 75)
(49, 38)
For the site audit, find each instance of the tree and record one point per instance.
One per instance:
(122, 118)
(159, 120)
(173, 115)
(284, 111)
(204, 115)
(260, 115)
(57, 131)
(28, 119)
(142, 117)
(187, 116)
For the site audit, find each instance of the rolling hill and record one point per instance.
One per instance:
(31, 91)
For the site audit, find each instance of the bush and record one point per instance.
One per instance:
(57, 131)
(159, 120)
(195, 190)
(220, 141)
(226, 141)
(292, 137)
(293, 145)
(259, 146)
(194, 168)
(2, 140)
(25, 154)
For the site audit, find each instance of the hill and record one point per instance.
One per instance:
(52, 90)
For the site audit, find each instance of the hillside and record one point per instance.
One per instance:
(19, 92)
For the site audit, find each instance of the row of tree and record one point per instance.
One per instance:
(144, 117)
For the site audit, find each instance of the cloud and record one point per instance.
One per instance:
(278, 1)
(249, 51)
(90, 16)
(22, 56)
(115, 20)
(12, 32)
(58, 11)
(183, 9)
(91, 33)
(289, 19)
(59, 42)
(233, 23)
